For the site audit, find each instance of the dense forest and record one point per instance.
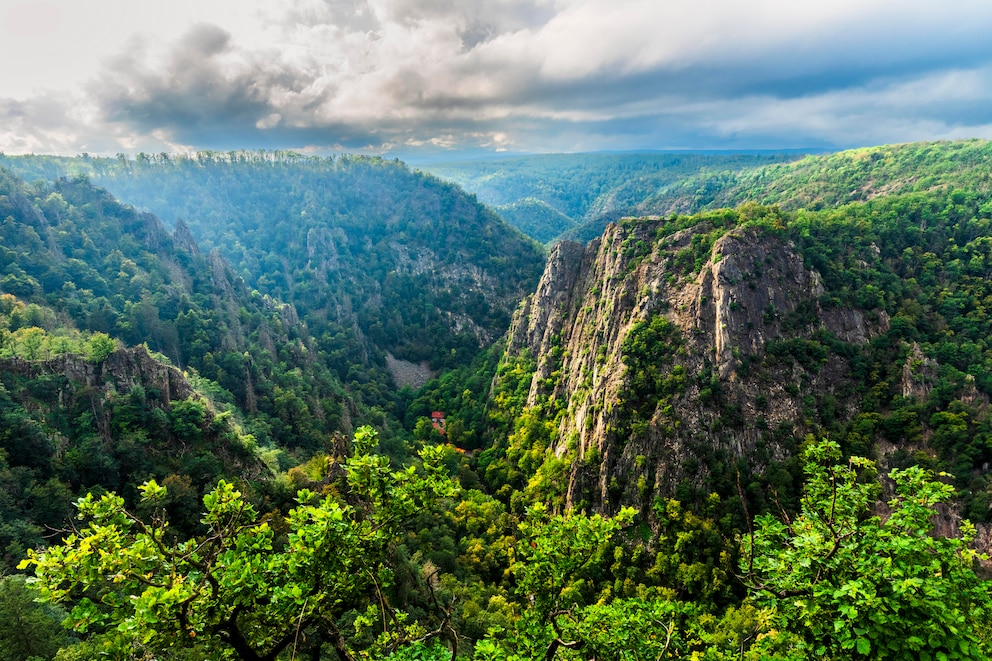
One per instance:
(818, 182)
(375, 258)
(760, 432)
(549, 195)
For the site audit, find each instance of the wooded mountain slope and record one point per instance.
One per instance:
(693, 355)
(549, 194)
(643, 477)
(100, 266)
(821, 181)
(830, 180)
(375, 258)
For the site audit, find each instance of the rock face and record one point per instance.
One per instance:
(405, 373)
(183, 239)
(121, 371)
(67, 382)
(740, 305)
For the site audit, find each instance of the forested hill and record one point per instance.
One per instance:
(226, 375)
(821, 181)
(693, 355)
(374, 257)
(88, 263)
(817, 182)
(716, 396)
(547, 195)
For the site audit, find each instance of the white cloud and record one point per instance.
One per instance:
(538, 73)
(945, 105)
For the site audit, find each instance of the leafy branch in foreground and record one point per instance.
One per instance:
(241, 590)
(851, 584)
(560, 567)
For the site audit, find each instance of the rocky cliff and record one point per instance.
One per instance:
(121, 371)
(681, 358)
(126, 394)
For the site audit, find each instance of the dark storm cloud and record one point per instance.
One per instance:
(203, 85)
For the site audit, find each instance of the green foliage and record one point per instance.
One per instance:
(575, 195)
(240, 587)
(31, 331)
(507, 400)
(652, 377)
(28, 630)
(353, 243)
(822, 181)
(689, 555)
(560, 561)
(463, 394)
(535, 218)
(559, 556)
(60, 436)
(99, 347)
(118, 276)
(365, 564)
(853, 585)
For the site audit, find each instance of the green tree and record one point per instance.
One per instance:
(99, 347)
(242, 589)
(30, 342)
(560, 569)
(558, 561)
(855, 585)
(27, 629)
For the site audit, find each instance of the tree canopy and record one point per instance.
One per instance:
(836, 581)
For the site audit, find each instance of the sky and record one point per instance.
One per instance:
(462, 76)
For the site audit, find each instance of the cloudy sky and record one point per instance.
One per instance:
(409, 76)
